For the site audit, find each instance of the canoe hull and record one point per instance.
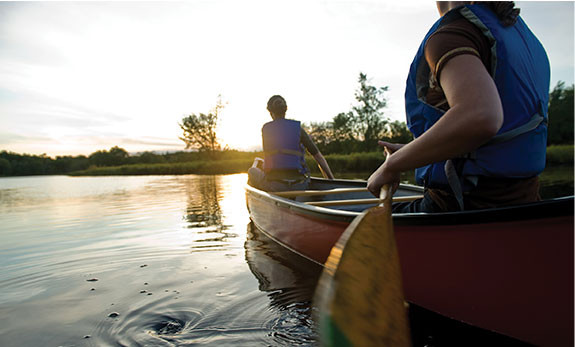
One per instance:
(307, 235)
(495, 269)
(515, 278)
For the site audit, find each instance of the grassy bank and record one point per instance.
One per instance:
(355, 162)
(560, 155)
(219, 167)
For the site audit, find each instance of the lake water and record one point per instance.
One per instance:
(145, 260)
(142, 260)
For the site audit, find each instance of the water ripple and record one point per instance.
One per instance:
(136, 261)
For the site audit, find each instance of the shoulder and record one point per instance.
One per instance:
(457, 36)
(292, 121)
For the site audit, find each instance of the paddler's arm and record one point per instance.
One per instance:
(323, 166)
(475, 116)
(314, 151)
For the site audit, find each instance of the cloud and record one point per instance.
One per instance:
(35, 113)
(156, 142)
(552, 22)
(90, 75)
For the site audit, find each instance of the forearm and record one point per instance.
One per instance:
(323, 166)
(453, 135)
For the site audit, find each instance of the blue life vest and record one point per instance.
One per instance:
(282, 147)
(520, 69)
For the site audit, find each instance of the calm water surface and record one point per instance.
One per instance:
(152, 260)
(144, 260)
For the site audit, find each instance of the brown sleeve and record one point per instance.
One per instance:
(308, 143)
(453, 39)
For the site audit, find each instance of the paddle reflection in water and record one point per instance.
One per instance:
(289, 281)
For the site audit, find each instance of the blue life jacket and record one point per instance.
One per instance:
(520, 69)
(282, 147)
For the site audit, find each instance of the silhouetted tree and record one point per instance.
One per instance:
(114, 157)
(560, 115)
(358, 129)
(321, 133)
(367, 118)
(397, 132)
(66, 164)
(342, 125)
(5, 167)
(150, 158)
(200, 130)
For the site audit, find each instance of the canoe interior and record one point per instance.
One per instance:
(507, 270)
(323, 184)
(552, 208)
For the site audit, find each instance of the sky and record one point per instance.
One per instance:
(77, 77)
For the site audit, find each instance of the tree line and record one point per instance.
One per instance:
(14, 164)
(354, 131)
(560, 131)
(359, 129)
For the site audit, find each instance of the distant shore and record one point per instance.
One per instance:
(354, 162)
(558, 155)
(118, 162)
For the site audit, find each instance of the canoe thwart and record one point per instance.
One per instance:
(294, 193)
(362, 201)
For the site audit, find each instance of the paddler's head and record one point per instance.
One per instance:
(277, 107)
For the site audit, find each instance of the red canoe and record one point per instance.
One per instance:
(509, 270)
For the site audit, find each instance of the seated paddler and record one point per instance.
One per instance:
(284, 144)
(476, 102)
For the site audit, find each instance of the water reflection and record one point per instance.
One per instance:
(204, 215)
(289, 281)
(203, 202)
(286, 277)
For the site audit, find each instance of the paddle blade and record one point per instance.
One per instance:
(359, 294)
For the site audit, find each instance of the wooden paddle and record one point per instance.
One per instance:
(359, 295)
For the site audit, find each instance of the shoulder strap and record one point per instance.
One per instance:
(533, 123)
(284, 151)
(454, 177)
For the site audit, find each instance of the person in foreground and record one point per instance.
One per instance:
(284, 143)
(476, 102)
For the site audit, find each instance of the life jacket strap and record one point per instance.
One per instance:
(533, 123)
(454, 175)
(454, 182)
(284, 151)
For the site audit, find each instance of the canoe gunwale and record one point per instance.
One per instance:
(556, 207)
(300, 208)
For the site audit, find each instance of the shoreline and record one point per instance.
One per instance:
(240, 162)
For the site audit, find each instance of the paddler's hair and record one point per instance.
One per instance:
(505, 11)
(277, 106)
